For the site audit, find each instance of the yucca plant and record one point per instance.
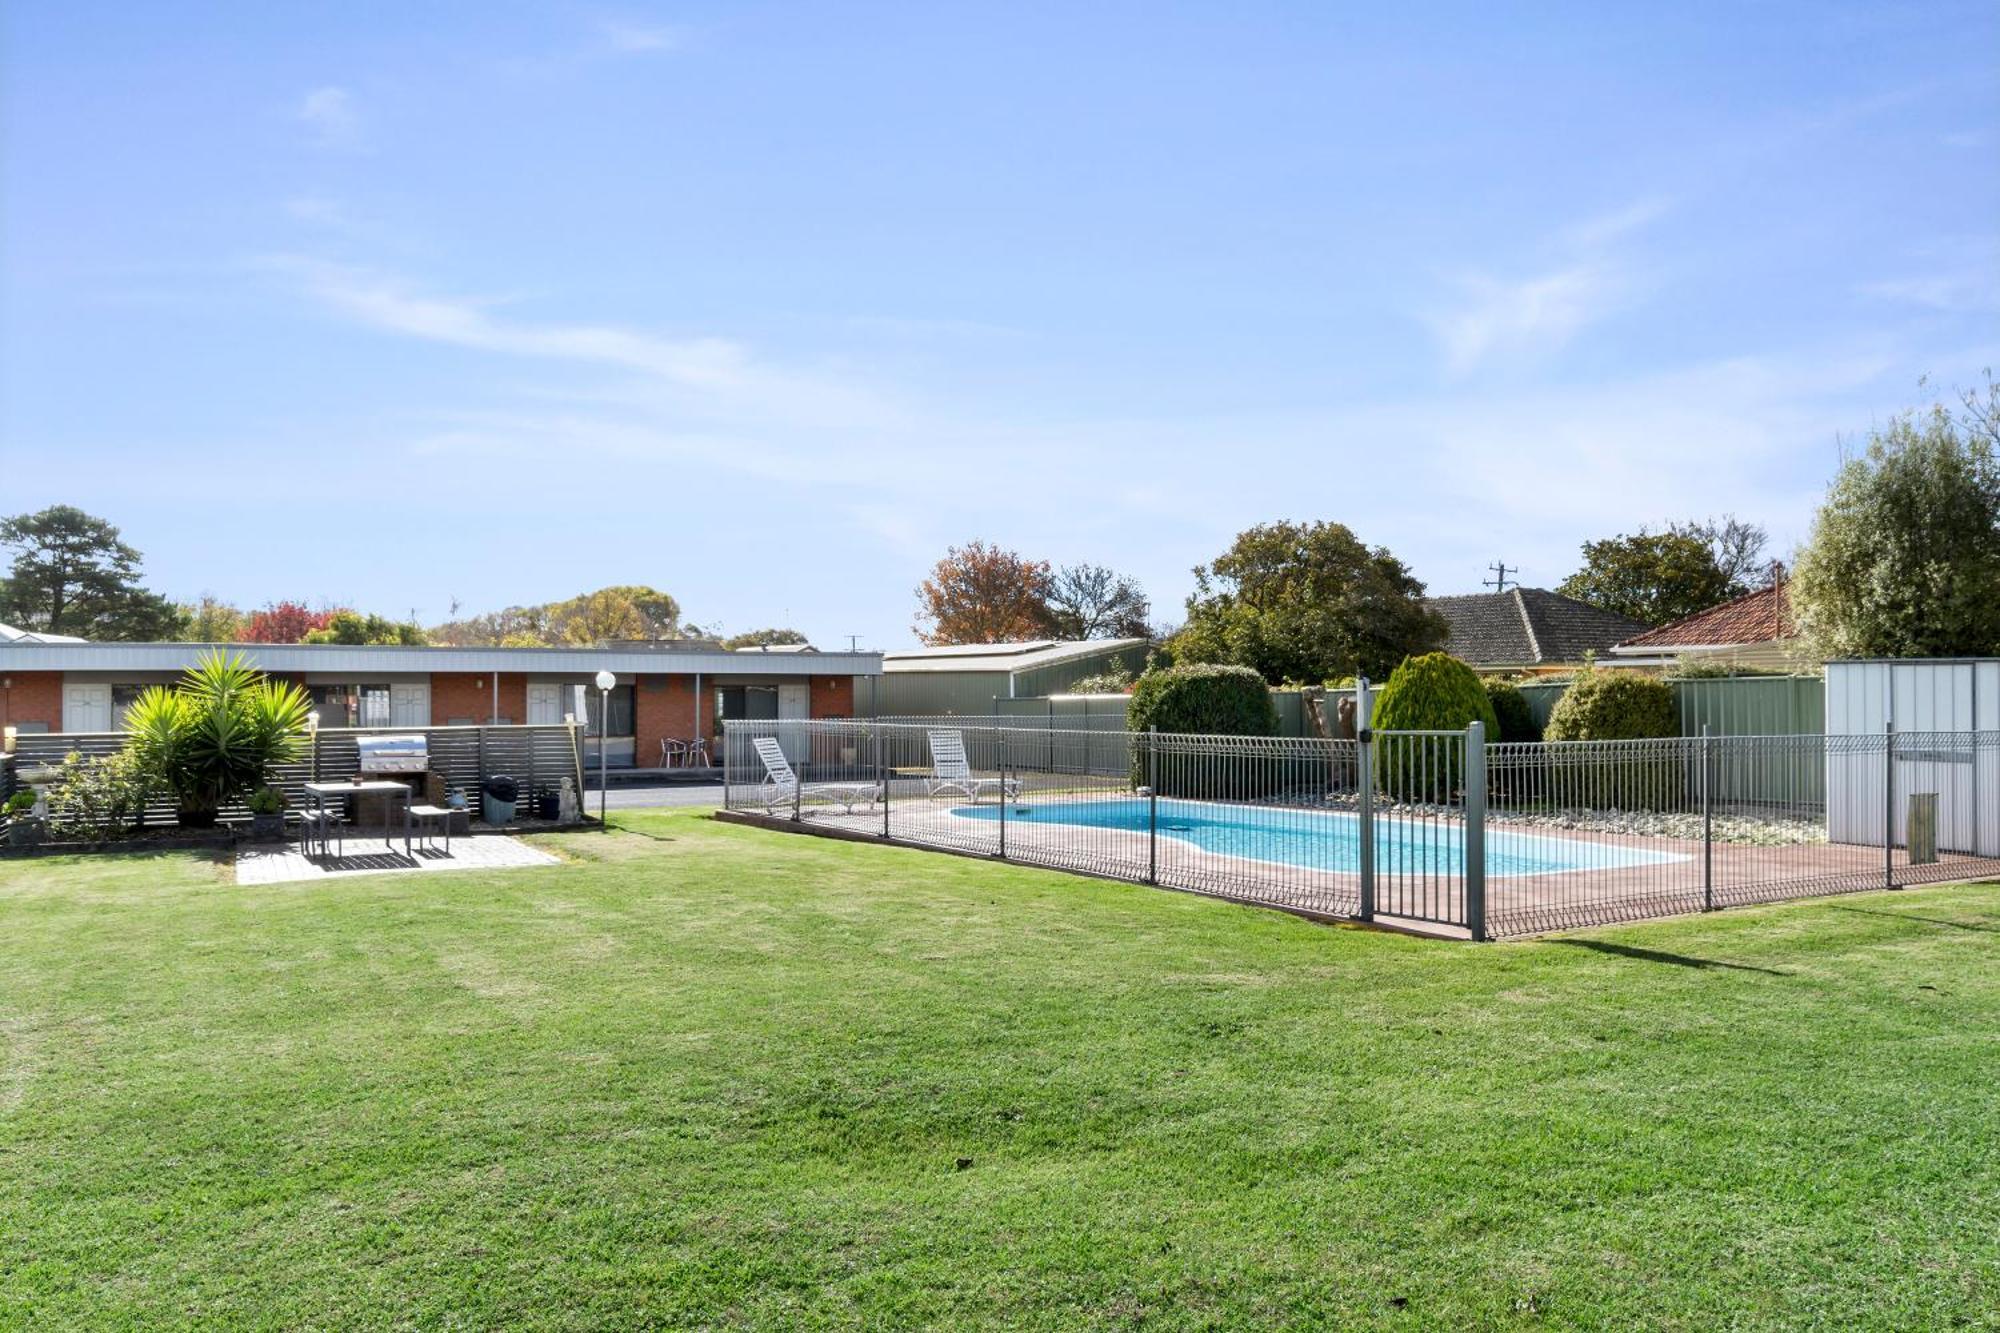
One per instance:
(216, 734)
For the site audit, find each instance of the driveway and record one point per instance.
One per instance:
(654, 795)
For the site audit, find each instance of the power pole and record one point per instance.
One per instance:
(1499, 582)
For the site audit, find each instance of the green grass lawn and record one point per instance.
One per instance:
(715, 1076)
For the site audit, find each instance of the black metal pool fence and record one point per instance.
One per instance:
(1434, 829)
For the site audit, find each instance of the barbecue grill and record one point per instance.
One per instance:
(394, 754)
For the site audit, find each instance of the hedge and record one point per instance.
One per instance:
(1510, 709)
(1203, 699)
(1614, 706)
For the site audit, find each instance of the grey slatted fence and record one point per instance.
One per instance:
(539, 757)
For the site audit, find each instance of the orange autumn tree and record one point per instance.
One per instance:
(984, 594)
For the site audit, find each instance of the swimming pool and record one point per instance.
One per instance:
(1327, 840)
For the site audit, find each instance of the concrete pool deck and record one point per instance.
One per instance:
(1406, 898)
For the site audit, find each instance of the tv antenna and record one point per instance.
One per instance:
(1500, 571)
(854, 643)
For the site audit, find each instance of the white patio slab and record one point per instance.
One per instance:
(281, 862)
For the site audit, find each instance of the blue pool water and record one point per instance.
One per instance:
(1328, 840)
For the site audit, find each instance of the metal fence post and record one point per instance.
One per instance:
(1003, 795)
(1889, 806)
(1152, 807)
(1475, 829)
(798, 780)
(1707, 822)
(882, 776)
(1364, 789)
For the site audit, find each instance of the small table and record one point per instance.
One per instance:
(320, 791)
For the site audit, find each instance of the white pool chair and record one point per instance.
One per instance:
(781, 786)
(952, 772)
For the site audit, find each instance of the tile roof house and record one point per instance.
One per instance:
(1528, 630)
(1756, 629)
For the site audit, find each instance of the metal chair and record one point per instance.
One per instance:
(670, 750)
(428, 820)
(323, 827)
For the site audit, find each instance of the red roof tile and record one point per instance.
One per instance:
(1757, 617)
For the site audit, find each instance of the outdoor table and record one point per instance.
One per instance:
(320, 791)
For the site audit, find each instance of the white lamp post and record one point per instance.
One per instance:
(605, 680)
(312, 728)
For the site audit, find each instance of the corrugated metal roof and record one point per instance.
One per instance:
(328, 657)
(1009, 657)
(8, 634)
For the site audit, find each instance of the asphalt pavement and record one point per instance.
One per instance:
(656, 795)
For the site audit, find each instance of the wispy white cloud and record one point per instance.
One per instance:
(1524, 318)
(850, 457)
(1529, 317)
(329, 114)
(609, 39)
(714, 379)
(636, 39)
(1960, 275)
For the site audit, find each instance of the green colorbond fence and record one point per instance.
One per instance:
(1730, 706)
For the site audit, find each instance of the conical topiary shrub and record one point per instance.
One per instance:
(1435, 692)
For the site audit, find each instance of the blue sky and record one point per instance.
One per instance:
(766, 305)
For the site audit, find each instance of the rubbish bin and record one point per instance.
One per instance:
(500, 794)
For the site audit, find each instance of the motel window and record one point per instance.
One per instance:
(621, 711)
(746, 702)
(351, 705)
(122, 699)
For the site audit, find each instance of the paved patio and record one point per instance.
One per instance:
(277, 863)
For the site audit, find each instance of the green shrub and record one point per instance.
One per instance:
(1617, 706)
(1203, 699)
(1434, 692)
(1613, 706)
(216, 735)
(1510, 709)
(1694, 668)
(94, 799)
(19, 804)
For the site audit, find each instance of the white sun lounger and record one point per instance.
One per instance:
(952, 772)
(781, 785)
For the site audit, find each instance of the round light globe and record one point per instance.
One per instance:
(605, 680)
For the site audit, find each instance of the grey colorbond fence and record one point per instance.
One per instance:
(1432, 828)
(537, 756)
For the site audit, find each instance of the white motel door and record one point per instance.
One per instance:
(794, 701)
(86, 708)
(409, 705)
(545, 705)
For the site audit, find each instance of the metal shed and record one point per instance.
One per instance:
(966, 679)
(1942, 717)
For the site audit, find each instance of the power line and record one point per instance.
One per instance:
(1501, 570)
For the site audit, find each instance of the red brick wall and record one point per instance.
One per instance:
(667, 712)
(470, 694)
(832, 696)
(35, 696)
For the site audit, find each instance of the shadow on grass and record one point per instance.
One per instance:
(628, 831)
(1675, 959)
(1928, 920)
